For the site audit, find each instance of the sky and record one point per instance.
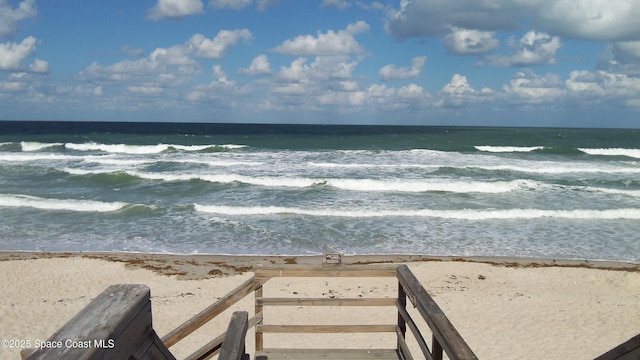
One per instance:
(560, 63)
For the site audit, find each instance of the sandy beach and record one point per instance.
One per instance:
(503, 308)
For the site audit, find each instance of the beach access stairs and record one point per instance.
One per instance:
(118, 325)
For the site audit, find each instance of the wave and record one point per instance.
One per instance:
(25, 157)
(377, 166)
(37, 146)
(633, 193)
(145, 149)
(634, 153)
(556, 168)
(13, 200)
(507, 149)
(465, 214)
(346, 184)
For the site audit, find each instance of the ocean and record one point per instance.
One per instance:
(312, 189)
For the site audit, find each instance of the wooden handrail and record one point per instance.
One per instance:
(210, 312)
(444, 333)
(233, 347)
(445, 338)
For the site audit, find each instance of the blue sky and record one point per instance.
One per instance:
(429, 62)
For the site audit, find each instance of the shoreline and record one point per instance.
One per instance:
(204, 266)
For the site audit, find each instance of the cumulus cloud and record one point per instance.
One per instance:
(162, 66)
(600, 20)
(217, 48)
(533, 48)
(175, 9)
(622, 57)
(533, 88)
(458, 91)
(470, 42)
(390, 72)
(604, 86)
(434, 17)
(12, 56)
(325, 44)
(9, 17)
(259, 66)
(388, 98)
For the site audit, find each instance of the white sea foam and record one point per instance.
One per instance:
(429, 185)
(349, 184)
(118, 148)
(142, 149)
(635, 153)
(465, 214)
(228, 178)
(379, 166)
(634, 193)
(37, 146)
(557, 168)
(26, 157)
(507, 149)
(18, 200)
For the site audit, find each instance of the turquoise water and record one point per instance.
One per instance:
(299, 189)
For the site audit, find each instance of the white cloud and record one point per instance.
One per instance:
(217, 48)
(323, 68)
(533, 48)
(325, 44)
(230, 4)
(470, 42)
(164, 66)
(622, 57)
(340, 4)
(458, 92)
(600, 20)
(259, 66)
(175, 9)
(12, 55)
(435, 17)
(459, 85)
(390, 72)
(533, 88)
(385, 98)
(264, 4)
(9, 17)
(604, 86)
(146, 89)
(241, 4)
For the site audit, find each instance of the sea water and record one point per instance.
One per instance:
(303, 189)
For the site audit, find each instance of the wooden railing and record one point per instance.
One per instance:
(445, 337)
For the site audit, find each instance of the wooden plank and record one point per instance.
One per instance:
(403, 348)
(233, 346)
(210, 312)
(326, 301)
(155, 351)
(319, 354)
(325, 328)
(213, 347)
(444, 332)
(116, 324)
(408, 321)
(319, 271)
(259, 338)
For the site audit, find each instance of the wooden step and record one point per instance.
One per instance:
(317, 354)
